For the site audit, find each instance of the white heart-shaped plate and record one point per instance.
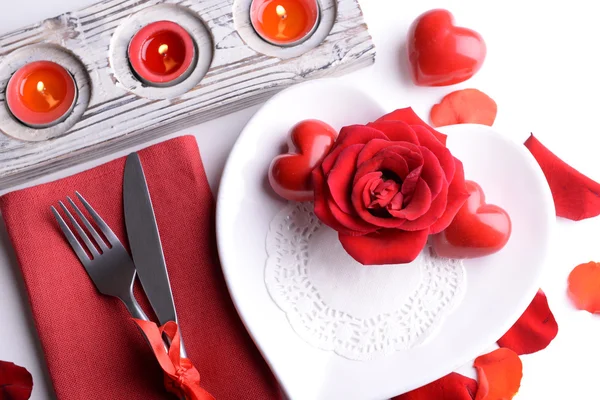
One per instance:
(499, 287)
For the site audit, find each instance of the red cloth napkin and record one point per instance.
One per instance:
(92, 347)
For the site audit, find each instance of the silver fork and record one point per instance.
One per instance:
(110, 267)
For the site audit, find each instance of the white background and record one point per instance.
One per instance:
(542, 68)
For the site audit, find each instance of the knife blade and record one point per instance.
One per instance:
(144, 242)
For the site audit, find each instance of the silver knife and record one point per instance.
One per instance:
(144, 241)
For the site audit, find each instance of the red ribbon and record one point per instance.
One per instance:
(181, 377)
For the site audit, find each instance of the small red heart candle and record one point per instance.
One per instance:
(284, 22)
(162, 54)
(41, 94)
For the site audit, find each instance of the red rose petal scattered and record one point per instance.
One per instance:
(534, 330)
(576, 196)
(16, 382)
(468, 106)
(499, 374)
(584, 287)
(451, 387)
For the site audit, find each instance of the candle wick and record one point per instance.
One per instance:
(41, 87)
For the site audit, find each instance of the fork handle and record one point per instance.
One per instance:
(136, 312)
(134, 308)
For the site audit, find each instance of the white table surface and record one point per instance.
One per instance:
(542, 68)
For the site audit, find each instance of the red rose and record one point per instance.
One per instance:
(386, 186)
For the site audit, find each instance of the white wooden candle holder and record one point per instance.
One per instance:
(235, 69)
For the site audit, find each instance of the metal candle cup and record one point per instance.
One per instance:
(162, 54)
(285, 23)
(41, 94)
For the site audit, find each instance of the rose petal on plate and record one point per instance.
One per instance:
(16, 382)
(499, 374)
(467, 106)
(418, 205)
(457, 196)
(361, 201)
(341, 175)
(386, 246)
(438, 205)
(410, 117)
(451, 387)
(440, 150)
(349, 135)
(584, 287)
(576, 196)
(396, 131)
(321, 208)
(534, 330)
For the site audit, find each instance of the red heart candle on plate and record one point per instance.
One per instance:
(443, 54)
(290, 174)
(284, 22)
(162, 54)
(41, 94)
(479, 229)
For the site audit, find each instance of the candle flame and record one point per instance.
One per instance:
(163, 48)
(40, 86)
(280, 10)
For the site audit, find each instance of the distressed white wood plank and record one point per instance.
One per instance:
(239, 76)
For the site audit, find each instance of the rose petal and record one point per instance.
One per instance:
(451, 387)
(360, 202)
(499, 374)
(467, 106)
(397, 159)
(408, 115)
(576, 196)
(341, 175)
(584, 287)
(410, 183)
(349, 135)
(386, 246)
(321, 208)
(436, 210)
(440, 151)
(370, 149)
(396, 131)
(418, 205)
(432, 171)
(16, 382)
(351, 222)
(457, 196)
(534, 330)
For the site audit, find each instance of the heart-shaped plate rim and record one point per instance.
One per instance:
(246, 206)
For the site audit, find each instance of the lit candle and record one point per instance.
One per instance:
(162, 54)
(41, 94)
(284, 22)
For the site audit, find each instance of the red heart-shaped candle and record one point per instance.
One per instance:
(442, 54)
(479, 229)
(290, 174)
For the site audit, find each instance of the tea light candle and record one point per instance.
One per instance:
(284, 22)
(162, 54)
(41, 94)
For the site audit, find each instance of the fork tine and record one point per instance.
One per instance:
(90, 228)
(81, 254)
(81, 232)
(108, 233)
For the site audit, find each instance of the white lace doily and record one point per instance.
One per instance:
(337, 304)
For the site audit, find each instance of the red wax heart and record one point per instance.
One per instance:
(442, 54)
(479, 229)
(290, 173)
